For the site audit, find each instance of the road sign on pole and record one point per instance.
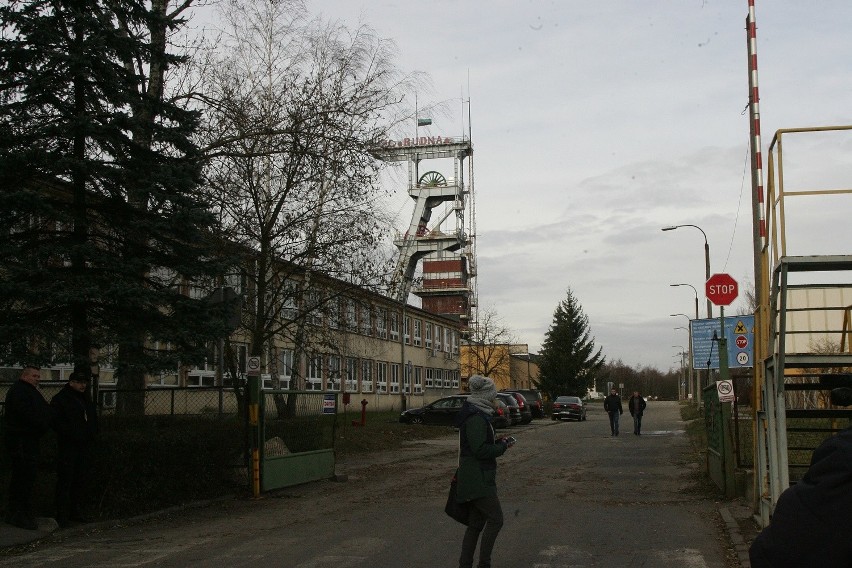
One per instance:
(721, 289)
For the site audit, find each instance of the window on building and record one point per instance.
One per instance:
(313, 372)
(447, 342)
(332, 310)
(201, 379)
(289, 305)
(351, 374)
(366, 320)
(285, 367)
(439, 331)
(381, 323)
(455, 342)
(418, 332)
(236, 281)
(418, 380)
(394, 377)
(313, 307)
(406, 330)
(439, 378)
(366, 375)
(334, 376)
(455, 379)
(381, 376)
(430, 378)
(428, 338)
(351, 315)
(394, 326)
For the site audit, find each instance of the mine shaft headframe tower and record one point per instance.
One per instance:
(441, 231)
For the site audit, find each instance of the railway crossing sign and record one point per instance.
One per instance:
(721, 289)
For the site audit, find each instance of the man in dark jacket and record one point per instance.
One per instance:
(477, 472)
(26, 418)
(810, 525)
(636, 405)
(76, 424)
(612, 404)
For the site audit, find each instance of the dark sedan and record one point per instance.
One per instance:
(568, 408)
(442, 411)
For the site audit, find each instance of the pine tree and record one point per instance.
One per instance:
(106, 230)
(568, 360)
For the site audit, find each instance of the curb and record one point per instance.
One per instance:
(736, 538)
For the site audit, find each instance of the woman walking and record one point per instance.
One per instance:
(477, 473)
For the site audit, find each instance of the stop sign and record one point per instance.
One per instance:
(721, 289)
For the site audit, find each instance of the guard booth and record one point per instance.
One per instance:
(292, 436)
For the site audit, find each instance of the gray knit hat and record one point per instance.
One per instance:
(482, 388)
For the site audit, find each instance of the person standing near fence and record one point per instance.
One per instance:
(76, 425)
(26, 418)
(612, 404)
(636, 405)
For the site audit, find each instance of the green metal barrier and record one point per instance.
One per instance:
(721, 460)
(297, 433)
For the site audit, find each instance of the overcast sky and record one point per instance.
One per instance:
(595, 124)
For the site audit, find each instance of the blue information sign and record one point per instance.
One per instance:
(739, 332)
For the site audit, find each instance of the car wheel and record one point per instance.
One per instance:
(417, 420)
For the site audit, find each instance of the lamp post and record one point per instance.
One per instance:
(706, 258)
(696, 296)
(693, 377)
(681, 388)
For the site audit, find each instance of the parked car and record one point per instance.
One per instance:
(534, 401)
(501, 418)
(512, 403)
(526, 413)
(442, 411)
(568, 408)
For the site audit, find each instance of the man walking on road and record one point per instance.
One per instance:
(637, 405)
(612, 404)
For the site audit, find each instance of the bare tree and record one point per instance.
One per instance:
(293, 107)
(490, 346)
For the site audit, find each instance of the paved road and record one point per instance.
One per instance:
(573, 497)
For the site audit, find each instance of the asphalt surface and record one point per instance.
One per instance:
(572, 495)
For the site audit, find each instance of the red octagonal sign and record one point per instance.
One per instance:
(721, 289)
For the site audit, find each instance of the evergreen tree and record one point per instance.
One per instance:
(105, 228)
(568, 361)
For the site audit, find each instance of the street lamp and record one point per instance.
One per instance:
(696, 296)
(681, 388)
(706, 258)
(684, 315)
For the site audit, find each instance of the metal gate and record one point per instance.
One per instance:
(292, 436)
(720, 455)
